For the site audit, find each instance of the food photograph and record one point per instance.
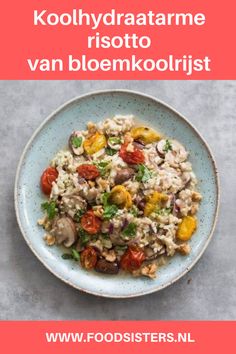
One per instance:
(117, 200)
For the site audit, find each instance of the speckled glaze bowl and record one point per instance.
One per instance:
(52, 136)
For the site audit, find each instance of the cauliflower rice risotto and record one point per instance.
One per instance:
(122, 197)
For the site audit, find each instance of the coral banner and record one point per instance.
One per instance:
(72, 337)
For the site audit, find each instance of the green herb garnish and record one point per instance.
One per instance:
(76, 141)
(102, 167)
(144, 174)
(102, 164)
(67, 256)
(50, 208)
(114, 140)
(83, 237)
(105, 236)
(110, 211)
(110, 151)
(78, 215)
(105, 197)
(164, 211)
(134, 211)
(73, 255)
(130, 230)
(167, 146)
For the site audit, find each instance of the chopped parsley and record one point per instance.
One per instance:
(105, 198)
(76, 141)
(67, 256)
(102, 167)
(50, 208)
(78, 215)
(164, 211)
(83, 237)
(167, 146)
(134, 211)
(110, 151)
(130, 230)
(110, 211)
(73, 255)
(114, 140)
(105, 236)
(144, 174)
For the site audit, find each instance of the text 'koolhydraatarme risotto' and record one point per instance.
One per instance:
(121, 197)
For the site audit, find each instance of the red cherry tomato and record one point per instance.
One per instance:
(87, 171)
(88, 258)
(48, 177)
(131, 157)
(91, 223)
(132, 259)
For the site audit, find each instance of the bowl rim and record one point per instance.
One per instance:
(38, 130)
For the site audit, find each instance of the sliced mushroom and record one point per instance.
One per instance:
(64, 230)
(160, 147)
(173, 151)
(76, 143)
(179, 151)
(103, 266)
(124, 175)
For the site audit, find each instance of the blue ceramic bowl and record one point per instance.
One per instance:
(53, 134)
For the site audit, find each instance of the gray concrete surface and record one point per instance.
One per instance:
(29, 291)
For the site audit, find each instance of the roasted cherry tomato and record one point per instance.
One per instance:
(88, 258)
(91, 223)
(132, 258)
(89, 172)
(131, 157)
(47, 178)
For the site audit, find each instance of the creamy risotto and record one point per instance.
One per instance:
(122, 197)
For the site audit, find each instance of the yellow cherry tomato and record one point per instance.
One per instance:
(153, 201)
(145, 135)
(121, 197)
(186, 228)
(129, 202)
(95, 143)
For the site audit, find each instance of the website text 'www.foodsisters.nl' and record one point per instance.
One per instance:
(119, 337)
